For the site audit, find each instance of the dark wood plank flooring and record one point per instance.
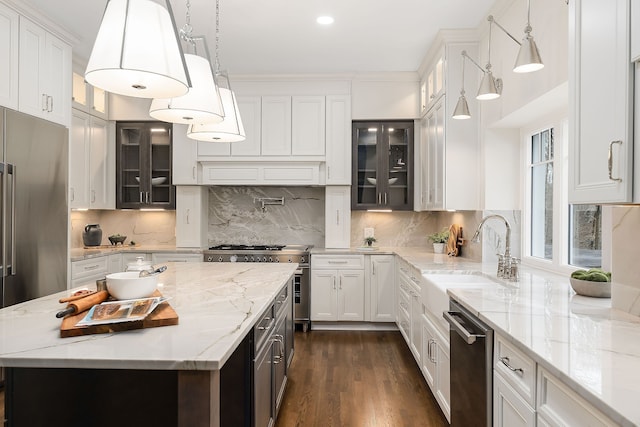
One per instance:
(358, 379)
(353, 379)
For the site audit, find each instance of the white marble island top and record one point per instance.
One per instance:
(217, 305)
(583, 341)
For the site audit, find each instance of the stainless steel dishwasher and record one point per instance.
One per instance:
(471, 347)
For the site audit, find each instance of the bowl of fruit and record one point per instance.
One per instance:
(117, 238)
(594, 282)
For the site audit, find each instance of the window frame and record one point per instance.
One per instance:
(560, 247)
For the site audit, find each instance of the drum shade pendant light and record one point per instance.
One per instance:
(137, 52)
(202, 104)
(231, 128)
(461, 111)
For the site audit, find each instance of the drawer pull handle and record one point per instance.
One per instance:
(91, 267)
(610, 161)
(505, 362)
(338, 262)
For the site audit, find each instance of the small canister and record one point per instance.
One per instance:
(139, 264)
(101, 284)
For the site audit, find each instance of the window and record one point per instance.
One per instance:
(542, 194)
(556, 233)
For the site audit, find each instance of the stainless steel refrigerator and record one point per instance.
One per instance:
(34, 214)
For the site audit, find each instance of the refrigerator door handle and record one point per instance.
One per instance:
(11, 170)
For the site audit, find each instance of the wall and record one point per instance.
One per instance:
(234, 216)
(143, 227)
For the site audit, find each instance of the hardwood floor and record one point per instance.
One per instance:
(356, 379)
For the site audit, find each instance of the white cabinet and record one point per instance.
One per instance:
(337, 230)
(514, 386)
(435, 363)
(433, 184)
(338, 140)
(558, 405)
(161, 257)
(192, 214)
(449, 149)
(409, 311)
(115, 263)
(250, 108)
(88, 98)
(635, 31)
(9, 22)
(44, 74)
(92, 163)
(509, 408)
(87, 271)
(434, 82)
(380, 284)
(308, 125)
(337, 288)
(185, 167)
(600, 135)
(276, 126)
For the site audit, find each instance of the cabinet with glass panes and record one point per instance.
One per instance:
(143, 165)
(382, 165)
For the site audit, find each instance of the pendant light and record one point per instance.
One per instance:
(137, 52)
(528, 59)
(202, 104)
(461, 112)
(231, 128)
(489, 88)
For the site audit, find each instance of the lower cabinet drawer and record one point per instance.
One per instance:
(352, 262)
(88, 268)
(516, 368)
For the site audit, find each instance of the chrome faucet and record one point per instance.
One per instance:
(507, 266)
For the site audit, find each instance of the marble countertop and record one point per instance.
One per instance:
(78, 254)
(217, 305)
(583, 341)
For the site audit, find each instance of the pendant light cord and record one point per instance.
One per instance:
(217, 68)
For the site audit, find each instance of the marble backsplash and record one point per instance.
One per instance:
(235, 216)
(410, 229)
(142, 227)
(625, 287)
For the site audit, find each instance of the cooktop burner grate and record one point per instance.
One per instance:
(247, 248)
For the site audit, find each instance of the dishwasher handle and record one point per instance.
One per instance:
(469, 337)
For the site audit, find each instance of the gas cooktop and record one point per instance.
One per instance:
(247, 248)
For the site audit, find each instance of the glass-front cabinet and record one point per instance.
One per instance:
(143, 165)
(382, 165)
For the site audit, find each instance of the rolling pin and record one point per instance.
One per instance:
(80, 305)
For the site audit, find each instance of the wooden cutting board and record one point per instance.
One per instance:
(163, 315)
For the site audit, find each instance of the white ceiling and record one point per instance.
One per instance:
(282, 36)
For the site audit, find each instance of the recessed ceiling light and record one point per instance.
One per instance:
(325, 20)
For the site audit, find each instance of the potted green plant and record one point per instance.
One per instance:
(369, 240)
(439, 239)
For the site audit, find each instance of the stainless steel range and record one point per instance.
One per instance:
(274, 253)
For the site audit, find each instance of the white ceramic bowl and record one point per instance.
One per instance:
(155, 181)
(372, 181)
(588, 288)
(128, 285)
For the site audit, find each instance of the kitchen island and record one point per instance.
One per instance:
(171, 375)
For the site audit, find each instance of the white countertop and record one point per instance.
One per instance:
(217, 305)
(583, 341)
(78, 254)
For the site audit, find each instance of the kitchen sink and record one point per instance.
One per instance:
(434, 291)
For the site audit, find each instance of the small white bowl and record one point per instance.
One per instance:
(588, 288)
(372, 181)
(155, 181)
(129, 285)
